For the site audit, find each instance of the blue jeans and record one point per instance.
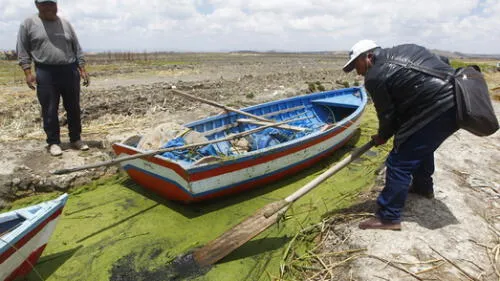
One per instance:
(53, 82)
(413, 163)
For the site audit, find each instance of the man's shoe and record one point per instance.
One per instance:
(428, 195)
(79, 145)
(55, 150)
(376, 223)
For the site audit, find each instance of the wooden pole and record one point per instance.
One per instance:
(213, 103)
(163, 150)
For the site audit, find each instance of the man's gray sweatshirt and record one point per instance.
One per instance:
(48, 42)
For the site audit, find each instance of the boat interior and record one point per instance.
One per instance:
(9, 223)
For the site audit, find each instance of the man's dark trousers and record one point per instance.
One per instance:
(53, 82)
(413, 163)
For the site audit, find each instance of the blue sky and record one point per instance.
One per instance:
(471, 26)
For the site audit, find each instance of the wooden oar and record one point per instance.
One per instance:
(163, 150)
(263, 218)
(260, 118)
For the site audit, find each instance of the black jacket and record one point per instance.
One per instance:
(406, 100)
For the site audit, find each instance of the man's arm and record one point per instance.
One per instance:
(80, 57)
(24, 57)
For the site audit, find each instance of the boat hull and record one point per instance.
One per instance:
(174, 182)
(21, 248)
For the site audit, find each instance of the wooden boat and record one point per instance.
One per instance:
(24, 233)
(326, 121)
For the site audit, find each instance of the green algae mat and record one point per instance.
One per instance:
(113, 230)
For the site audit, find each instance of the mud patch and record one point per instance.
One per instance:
(182, 268)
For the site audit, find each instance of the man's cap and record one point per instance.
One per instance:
(356, 50)
(42, 1)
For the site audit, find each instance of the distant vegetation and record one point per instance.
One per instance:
(315, 86)
(8, 55)
(485, 67)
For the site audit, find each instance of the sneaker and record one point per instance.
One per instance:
(55, 150)
(79, 145)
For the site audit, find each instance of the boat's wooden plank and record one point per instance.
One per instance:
(283, 111)
(261, 123)
(230, 126)
(220, 129)
(5, 232)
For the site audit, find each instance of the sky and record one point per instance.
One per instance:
(469, 26)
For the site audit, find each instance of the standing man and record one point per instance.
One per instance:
(414, 107)
(51, 43)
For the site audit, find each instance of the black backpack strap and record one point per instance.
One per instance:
(443, 75)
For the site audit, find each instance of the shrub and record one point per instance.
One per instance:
(484, 67)
(312, 87)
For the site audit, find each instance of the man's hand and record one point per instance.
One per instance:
(85, 76)
(378, 140)
(30, 78)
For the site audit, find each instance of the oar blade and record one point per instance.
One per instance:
(238, 235)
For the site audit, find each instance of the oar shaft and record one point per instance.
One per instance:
(181, 93)
(328, 173)
(256, 117)
(163, 150)
(319, 179)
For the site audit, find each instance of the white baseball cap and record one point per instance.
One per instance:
(42, 1)
(356, 50)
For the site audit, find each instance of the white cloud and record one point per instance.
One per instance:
(295, 25)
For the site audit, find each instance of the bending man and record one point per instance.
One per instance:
(414, 107)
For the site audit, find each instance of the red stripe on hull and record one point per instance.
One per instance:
(27, 265)
(159, 186)
(119, 149)
(28, 237)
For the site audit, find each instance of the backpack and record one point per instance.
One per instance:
(474, 109)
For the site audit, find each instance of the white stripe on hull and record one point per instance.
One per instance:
(18, 257)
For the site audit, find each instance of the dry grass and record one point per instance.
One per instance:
(335, 261)
(327, 261)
